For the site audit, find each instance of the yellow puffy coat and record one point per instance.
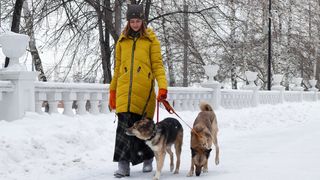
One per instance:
(138, 64)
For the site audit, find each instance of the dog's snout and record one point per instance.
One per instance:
(129, 132)
(198, 170)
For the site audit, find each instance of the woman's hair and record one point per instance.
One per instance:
(143, 29)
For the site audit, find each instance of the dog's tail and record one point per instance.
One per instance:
(204, 106)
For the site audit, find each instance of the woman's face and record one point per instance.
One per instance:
(135, 24)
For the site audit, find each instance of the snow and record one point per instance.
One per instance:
(267, 142)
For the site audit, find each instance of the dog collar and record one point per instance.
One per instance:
(153, 132)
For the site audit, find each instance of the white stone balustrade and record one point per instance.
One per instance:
(187, 98)
(93, 98)
(235, 99)
(67, 93)
(5, 87)
(68, 98)
(251, 77)
(21, 99)
(313, 88)
(277, 79)
(292, 96)
(269, 97)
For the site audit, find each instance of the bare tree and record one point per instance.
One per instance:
(36, 60)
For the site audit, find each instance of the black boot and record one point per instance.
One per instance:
(123, 169)
(147, 165)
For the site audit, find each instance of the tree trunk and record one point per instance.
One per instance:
(317, 68)
(104, 40)
(117, 16)
(15, 22)
(147, 10)
(232, 46)
(185, 44)
(36, 60)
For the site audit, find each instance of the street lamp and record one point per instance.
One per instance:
(269, 48)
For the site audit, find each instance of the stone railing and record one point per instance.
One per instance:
(69, 94)
(235, 99)
(5, 87)
(188, 98)
(20, 92)
(83, 98)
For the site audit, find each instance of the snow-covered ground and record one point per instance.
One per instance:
(278, 142)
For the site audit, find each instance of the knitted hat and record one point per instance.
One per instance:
(135, 11)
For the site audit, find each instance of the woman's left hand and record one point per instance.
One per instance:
(162, 94)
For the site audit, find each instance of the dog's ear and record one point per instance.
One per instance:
(208, 152)
(150, 122)
(193, 152)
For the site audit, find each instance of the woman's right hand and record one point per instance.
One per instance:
(112, 99)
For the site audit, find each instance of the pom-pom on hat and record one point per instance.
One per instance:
(135, 11)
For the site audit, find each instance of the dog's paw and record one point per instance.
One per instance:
(176, 172)
(217, 161)
(190, 174)
(171, 168)
(155, 178)
(205, 170)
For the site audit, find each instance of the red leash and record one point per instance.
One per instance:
(170, 110)
(158, 104)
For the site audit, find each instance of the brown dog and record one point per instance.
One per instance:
(160, 137)
(204, 133)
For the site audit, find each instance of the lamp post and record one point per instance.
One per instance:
(269, 48)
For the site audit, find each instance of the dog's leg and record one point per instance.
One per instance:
(177, 146)
(191, 168)
(215, 142)
(205, 167)
(160, 159)
(171, 158)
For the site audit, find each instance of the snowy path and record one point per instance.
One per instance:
(255, 145)
(290, 153)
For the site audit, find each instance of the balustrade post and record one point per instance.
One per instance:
(251, 77)
(185, 101)
(313, 88)
(104, 103)
(14, 104)
(68, 98)
(82, 98)
(277, 79)
(298, 87)
(94, 101)
(53, 100)
(211, 71)
(177, 102)
(40, 97)
(216, 93)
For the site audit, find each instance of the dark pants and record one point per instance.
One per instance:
(130, 148)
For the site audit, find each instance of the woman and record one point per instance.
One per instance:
(132, 95)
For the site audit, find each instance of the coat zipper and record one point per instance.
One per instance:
(131, 72)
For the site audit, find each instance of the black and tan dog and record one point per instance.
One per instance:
(204, 133)
(160, 137)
